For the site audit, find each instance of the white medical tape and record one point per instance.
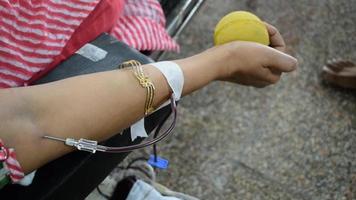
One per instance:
(175, 78)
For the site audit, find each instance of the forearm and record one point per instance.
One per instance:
(99, 105)
(93, 106)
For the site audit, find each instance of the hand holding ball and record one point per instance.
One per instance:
(251, 64)
(241, 26)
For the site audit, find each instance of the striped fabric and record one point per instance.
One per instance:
(11, 166)
(143, 26)
(35, 35)
(16, 173)
(32, 33)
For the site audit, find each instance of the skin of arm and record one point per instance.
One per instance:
(97, 106)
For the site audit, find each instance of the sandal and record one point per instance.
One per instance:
(341, 73)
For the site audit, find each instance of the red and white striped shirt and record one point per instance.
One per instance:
(35, 35)
(143, 26)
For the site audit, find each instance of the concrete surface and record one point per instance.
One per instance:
(294, 140)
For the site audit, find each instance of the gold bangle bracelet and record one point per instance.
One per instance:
(144, 81)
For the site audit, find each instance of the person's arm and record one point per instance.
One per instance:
(96, 106)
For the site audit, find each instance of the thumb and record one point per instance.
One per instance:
(279, 61)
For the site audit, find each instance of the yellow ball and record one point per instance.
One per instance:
(242, 26)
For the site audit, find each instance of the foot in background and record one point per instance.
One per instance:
(341, 73)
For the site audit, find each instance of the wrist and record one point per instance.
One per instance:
(229, 61)
(223, 60)
(198, 72)
(209, 63)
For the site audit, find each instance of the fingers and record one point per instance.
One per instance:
(272, 78)
(276, 39)
(269, 77)
(278, 61)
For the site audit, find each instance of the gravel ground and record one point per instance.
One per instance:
(294, 140)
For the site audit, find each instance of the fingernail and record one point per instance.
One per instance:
(295, 62)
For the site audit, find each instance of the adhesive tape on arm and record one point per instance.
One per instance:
(174, 76)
